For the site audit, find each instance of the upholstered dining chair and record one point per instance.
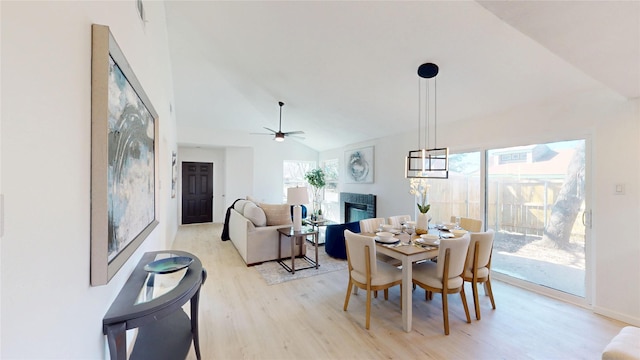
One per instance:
(365, 272)
(371, 225)
(445, 276)
(478, 266)
(469, 224)
(398, 220)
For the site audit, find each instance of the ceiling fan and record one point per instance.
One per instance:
(280, 135)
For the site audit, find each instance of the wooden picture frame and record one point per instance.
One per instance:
(359, 165)
(124, 159)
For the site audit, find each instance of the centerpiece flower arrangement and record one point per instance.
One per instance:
(316, 178)
(420, 189)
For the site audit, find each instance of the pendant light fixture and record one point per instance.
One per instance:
(427, 162)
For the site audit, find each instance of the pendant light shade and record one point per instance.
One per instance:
(427, 162)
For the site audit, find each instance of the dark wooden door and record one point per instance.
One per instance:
(197, 192)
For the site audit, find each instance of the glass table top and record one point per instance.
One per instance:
(156, 284)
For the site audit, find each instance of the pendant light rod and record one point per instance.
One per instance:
(280, 123)
(426, 116)
(419, 115)
(435, 113)
(428, 71)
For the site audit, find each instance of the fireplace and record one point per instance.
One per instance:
(355, 207)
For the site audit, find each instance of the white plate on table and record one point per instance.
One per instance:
(458, 232)
(429, 239)
(391, 240)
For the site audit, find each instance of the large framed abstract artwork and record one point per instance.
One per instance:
(124, 159)
(359, 165)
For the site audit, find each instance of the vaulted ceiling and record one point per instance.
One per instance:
(346, 71)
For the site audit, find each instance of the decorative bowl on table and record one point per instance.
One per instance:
(458, 232)
(385, 236)
(168, 265)
(390, 229)
(430, 239)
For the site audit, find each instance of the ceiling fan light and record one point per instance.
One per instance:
(279, 137)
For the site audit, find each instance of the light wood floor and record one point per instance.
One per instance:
(241, 317)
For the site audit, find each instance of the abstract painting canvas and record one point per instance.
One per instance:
(131, 163)
(124, 160)
(359, 165)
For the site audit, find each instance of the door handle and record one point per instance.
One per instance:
(584, 218)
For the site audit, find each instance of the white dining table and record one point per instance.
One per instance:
(408, 254)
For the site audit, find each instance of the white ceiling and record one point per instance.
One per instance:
(347, 70)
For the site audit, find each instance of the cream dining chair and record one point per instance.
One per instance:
(371, 225)
(469, 224)
(445, 276)
(398, 220)
(365, 272)
(478, 266)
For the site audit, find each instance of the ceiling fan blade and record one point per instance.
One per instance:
(294, 132)
(261, 134)
(273, 131)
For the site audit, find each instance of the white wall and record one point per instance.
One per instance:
(389, 184)
(255, 156)
(48, 309)
(239, 178)
(1, 191)
(613, 126)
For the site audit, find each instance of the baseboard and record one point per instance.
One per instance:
(543, 290)
(616, 315)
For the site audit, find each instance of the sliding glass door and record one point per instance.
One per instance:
(536, 204)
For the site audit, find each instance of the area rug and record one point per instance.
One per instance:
(273, 273)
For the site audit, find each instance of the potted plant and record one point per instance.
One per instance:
(420, 189)
(316, 178)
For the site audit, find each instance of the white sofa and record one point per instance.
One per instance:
(256, 241)
(624, 346)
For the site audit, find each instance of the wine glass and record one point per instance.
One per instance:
(410, 230)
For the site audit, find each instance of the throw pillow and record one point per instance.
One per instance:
(277, 214)
(255, 214)
(239, 206)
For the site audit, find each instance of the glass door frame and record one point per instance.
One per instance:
(585, 301)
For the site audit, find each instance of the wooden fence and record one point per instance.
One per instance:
(519, 206)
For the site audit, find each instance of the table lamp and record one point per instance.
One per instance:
(297, 196)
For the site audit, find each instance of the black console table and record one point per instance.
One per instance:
(152, 303)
